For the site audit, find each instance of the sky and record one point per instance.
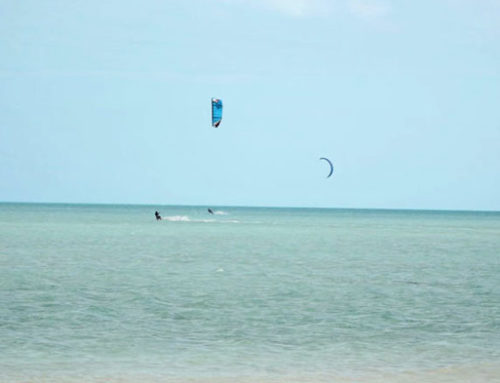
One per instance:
(109, 102)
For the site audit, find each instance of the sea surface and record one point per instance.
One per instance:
(105, 293)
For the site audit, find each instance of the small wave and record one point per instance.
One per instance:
(220, 212)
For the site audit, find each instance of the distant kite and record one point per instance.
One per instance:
(329, 163)
(216, 112)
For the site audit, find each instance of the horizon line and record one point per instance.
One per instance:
(249, 206)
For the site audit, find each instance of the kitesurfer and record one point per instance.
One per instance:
(158, 216)
(210, 211)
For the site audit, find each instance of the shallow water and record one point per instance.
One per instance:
(106, 293)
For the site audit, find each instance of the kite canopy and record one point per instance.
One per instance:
(216, 112)
(329, 163)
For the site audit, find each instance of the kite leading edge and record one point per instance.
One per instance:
(331, 165)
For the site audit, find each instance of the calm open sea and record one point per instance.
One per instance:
(98, 293)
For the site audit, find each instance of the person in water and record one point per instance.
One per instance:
(210, 211)
(158, 216)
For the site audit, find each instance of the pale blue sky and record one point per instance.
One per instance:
(109, 102)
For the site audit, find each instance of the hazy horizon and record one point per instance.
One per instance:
(204, 206)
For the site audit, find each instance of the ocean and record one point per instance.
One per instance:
(105, 293)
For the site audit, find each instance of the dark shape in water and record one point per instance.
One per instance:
(210, 211)
(158, 216)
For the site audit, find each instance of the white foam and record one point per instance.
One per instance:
(177, 218)
(185, 218)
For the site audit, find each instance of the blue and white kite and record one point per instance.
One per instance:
(216, 112)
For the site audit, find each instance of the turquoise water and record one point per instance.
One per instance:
(95, 293)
